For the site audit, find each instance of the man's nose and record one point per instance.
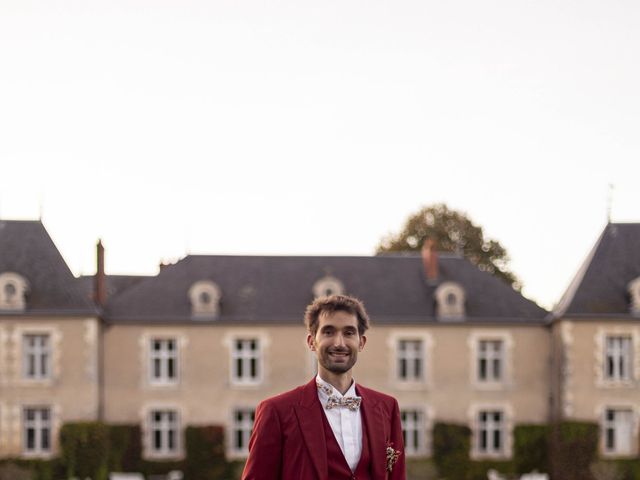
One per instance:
(339, 340)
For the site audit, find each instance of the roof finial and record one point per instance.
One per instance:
(610, 202)
(41, 206)
(187, 239)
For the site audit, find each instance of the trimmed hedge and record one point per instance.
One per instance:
(573, 448)
(94, 449)
(566, 450)
(451, 447)
(84, 449)
(125, 452)
(451, 450)
(531, 448)
(629, 469)
(204, 453)
(16, 468)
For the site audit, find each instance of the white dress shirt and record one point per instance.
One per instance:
(346, 424)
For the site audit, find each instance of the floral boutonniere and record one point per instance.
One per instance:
(392, 456)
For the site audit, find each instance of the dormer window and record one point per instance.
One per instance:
(634, 293)
(326, 286)
(450, 300)
(13, 290)
(205, 299)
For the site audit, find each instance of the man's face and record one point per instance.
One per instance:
(337, 341)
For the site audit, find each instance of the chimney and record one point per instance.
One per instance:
(100, 280)
(430, 260)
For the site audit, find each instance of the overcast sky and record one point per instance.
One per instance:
(293, 127)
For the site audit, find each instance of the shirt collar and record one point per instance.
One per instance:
(325, 389)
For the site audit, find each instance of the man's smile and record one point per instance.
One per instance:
(337, 342)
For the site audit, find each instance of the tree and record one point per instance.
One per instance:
(452, 231)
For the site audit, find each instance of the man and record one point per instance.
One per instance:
(330, 428)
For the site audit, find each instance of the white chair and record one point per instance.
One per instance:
(535, 476)
(494, 475)
(126, 476)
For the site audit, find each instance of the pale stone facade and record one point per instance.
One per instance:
(587, 390)
(68, 385)
(596, 343)
(207, 339)
(204, 391)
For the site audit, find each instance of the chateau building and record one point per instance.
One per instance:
(49, 343)
(596, 338)
(204, 340)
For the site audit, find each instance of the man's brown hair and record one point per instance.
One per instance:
(335, 303)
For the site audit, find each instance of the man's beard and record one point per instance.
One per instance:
(329, 363)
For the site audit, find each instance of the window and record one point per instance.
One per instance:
(490, 360)
(164, 360)
(241, 430)
(327, 286)
(634, 293)
(37, 430)
(410, 360)
(245, 360)
(13, 291)
(164, 433)
(617, 358)
(490, 433)
(205, 296)
(36, 356)
(413, 431)
(450, 300)
(618, 431)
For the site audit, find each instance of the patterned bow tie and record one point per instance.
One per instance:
(352, 403)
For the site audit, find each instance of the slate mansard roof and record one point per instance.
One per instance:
(276, 289)
(115, 284)
(600, 288)
(27, 249)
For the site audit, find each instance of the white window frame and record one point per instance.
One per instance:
(493, 358)
(204, 296)
(327, 285)
(505, 356)
(450, 302)
(619, 356)
(490, 426)
(413, 360)
(15, 300)
(242, 355)
(40, 354)
(43, 428)
(166, 426)
(241, 426)
(504, 426)
(414, 423)
(164, 356)
(631, 377)
(424, 382)
(616, 427)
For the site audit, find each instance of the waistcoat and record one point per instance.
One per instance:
(338, 467)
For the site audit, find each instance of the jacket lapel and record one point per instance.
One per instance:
(375, 421)
(310, 420)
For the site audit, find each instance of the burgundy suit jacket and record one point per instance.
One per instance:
(288, 440)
